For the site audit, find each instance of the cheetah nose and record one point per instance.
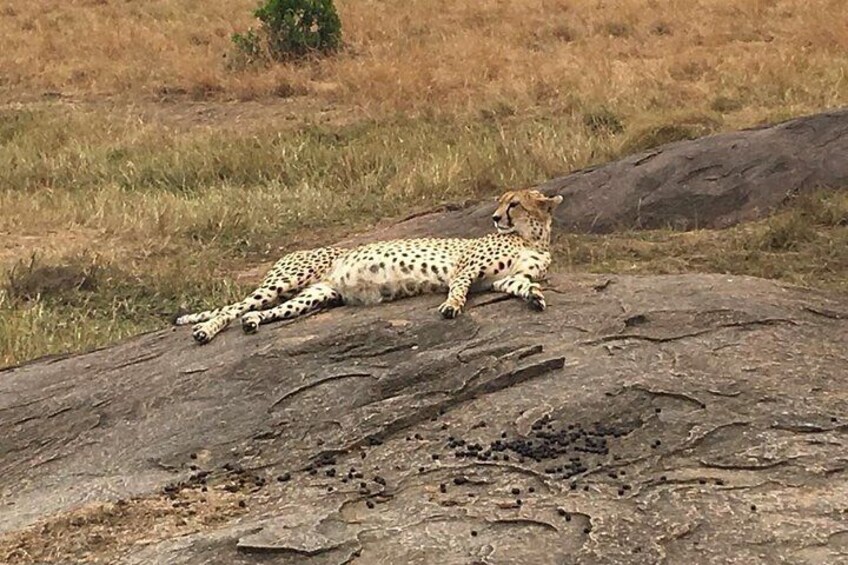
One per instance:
(496, 218)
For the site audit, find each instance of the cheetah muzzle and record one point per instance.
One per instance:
(510, 261)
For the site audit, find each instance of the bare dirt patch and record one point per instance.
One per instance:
(16, 248)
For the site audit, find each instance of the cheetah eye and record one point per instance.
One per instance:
(512, 205)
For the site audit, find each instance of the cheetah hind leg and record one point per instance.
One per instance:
(314, 297)
(286, 278)
(211, 323)
(263, 297)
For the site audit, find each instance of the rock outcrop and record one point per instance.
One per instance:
(711, 182)
(695, 418)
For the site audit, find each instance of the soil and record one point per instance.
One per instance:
(16, 248)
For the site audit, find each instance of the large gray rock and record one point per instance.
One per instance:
(676, 419)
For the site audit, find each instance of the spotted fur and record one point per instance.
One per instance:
(510, 261)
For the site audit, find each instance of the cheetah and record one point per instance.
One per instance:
(510, 261)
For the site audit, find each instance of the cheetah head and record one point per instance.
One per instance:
(527, 213)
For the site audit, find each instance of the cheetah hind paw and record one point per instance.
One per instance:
(180, 319)
(250, 323)
(449, 311)
(200, 335)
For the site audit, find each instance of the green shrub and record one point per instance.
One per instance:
(248, 47)
(291, 29)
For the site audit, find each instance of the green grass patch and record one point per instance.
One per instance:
(80, 302)
(804, 244)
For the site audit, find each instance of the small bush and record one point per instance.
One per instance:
(13, 123)
(248, 47)
(290, 29)
(826, 208)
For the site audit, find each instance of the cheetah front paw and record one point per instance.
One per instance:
(250, 322)
(449, 310)
(200, 334)
(536, 299)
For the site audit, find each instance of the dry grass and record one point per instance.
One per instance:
(143, 192)
(806, 244)
(101, 532)
(167, 169)
(441, 55)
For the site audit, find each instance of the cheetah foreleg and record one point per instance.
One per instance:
(522, 287)
(312, 298)
(458, 291)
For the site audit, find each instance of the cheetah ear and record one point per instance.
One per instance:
(554, 201)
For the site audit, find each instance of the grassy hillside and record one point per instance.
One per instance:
(146, 170)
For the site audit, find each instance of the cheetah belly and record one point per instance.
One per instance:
(367, 276)
(532, 263)
(525, 262)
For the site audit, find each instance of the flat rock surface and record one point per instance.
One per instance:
(674, 419)
(710, 182)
